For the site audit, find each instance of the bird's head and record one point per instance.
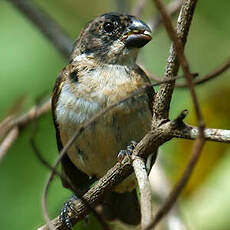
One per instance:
(112, 38)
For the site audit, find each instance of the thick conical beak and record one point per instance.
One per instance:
(137, 35)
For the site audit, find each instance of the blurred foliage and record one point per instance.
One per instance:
(29, 66)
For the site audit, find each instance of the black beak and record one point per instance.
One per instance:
(138, 34)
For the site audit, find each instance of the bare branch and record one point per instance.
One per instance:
(215, 73)
(41, 158)
(21, 121)
(4, 126)
(46, 25)
(145, 191)
(32, 114)
(179, 48)
(161, 188)
(8, 141)
(11, 127)
(180, 185)
(164, 94)
(212, 75)
(190, 132)
(150, 75)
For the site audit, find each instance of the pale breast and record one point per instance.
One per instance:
(95, 151)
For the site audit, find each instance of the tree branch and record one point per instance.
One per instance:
(190, 132)
(9, 126)
(180, 185)
(21, 121)
(215, 73)
(212, 75)
(8, 141)
(179, 48)
(46, 25)
(145, 191)
(164, 94)
(161, 188)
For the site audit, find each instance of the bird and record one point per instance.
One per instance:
(102, 71)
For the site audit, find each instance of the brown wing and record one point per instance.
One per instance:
(151, 93)
(77, 178)
(149, 90)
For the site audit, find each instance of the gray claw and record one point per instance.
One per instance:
(65, 215)
(121, 155)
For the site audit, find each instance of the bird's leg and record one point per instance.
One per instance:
(128, 152)
(65, 215)
(68, 209)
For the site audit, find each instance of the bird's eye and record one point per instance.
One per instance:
(108, 27)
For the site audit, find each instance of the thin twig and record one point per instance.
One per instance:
(4, 126)
(41, 158)
(145, 190)
(161, 187)
(8, 141)
(179, 48)
(173, 7)
(46, 25)
(213, 74)
(180, 185)
(150, 75)
(32, 114)
(164, 94)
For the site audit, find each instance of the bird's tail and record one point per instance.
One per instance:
(122, 206)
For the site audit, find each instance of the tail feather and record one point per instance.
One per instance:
(122, 206)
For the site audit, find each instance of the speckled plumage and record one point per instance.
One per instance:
(102, 71)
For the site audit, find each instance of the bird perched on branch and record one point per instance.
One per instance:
(103, 71)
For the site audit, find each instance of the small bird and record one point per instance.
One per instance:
(102, 71)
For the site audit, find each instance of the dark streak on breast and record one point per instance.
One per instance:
(74, 76)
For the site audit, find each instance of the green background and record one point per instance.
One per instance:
(29, 66)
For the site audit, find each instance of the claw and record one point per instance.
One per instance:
(66, 212)
(128, 152)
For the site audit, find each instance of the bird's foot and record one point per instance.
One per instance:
(66, 212)
(128, 152)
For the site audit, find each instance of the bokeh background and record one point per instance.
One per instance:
(29, 65)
